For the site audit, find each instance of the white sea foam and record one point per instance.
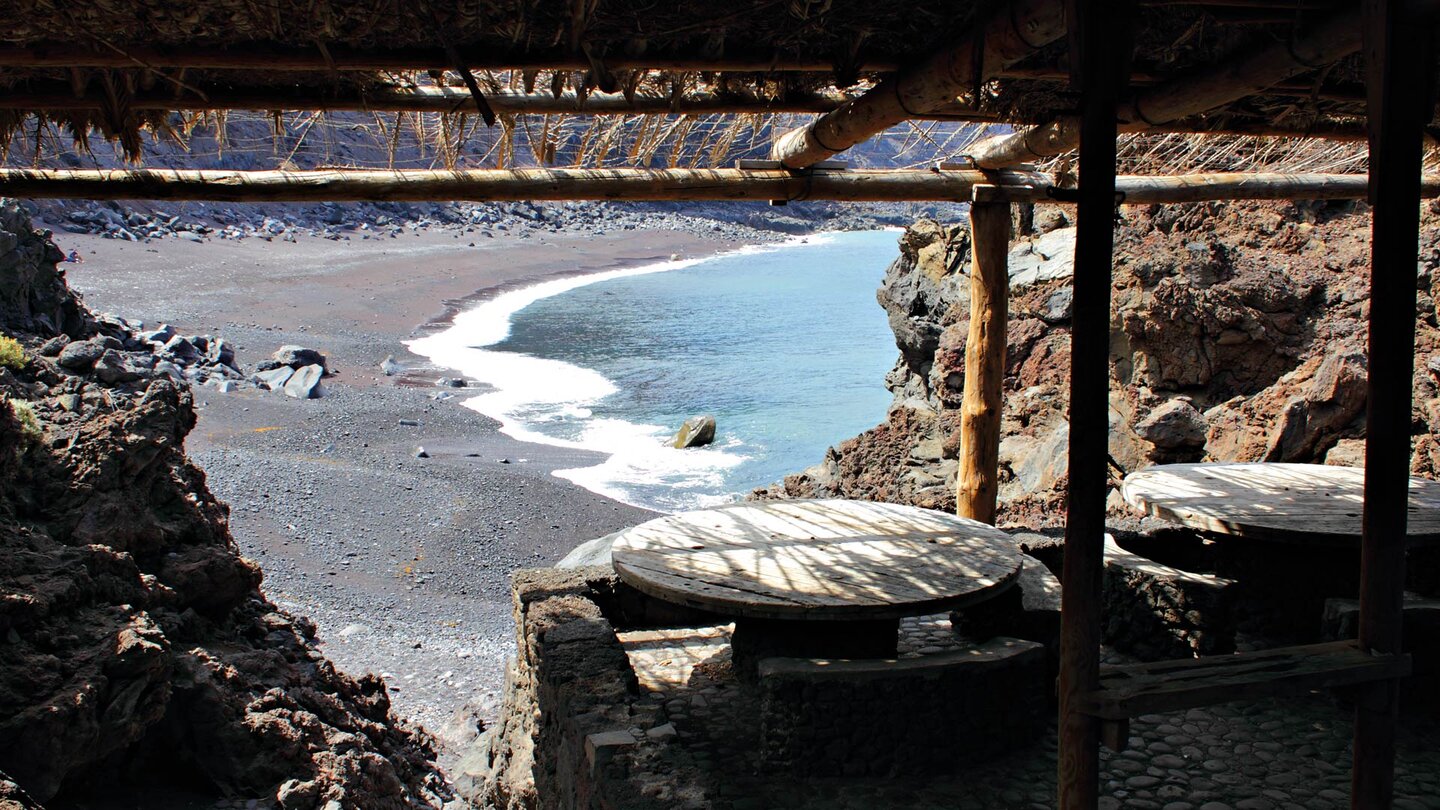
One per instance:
(530, 391)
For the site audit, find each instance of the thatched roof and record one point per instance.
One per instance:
(123, 52)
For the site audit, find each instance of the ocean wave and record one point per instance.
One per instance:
(531, 392)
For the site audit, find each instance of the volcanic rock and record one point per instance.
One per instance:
(1174, 426)
(1253, 312)
(305, 382)
(274, 379)
(298, 356)
(136, 643)
(81, 355)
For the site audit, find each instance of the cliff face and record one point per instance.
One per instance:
(134, 640)
(1237, 333)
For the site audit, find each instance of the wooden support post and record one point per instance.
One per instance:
(984, 357)
(1104, 47)
(1399, 56)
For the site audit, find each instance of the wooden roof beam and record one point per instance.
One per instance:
(1206, 89)
(484, 185)
(261, 56)
(1013, 31)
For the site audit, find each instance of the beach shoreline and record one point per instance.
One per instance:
(402, 562)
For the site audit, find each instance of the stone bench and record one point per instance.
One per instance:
(1030, 610)
(1419, 636)
(891, 717)
(1156, 612)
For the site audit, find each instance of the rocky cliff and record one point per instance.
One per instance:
(1237, 333)
(135, 645)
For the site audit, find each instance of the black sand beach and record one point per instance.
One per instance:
(403, 562)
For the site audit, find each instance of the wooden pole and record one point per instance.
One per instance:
(415, 185)
(480, 185)
(265, 56)
(1399, 58)
(983, 401)
(1016, 29)
(1103, 61)
(1207, 88)
(58, 97)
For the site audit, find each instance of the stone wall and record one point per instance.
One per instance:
(574, 731)
(888, 718)
(1419, 636)
(1156, 612)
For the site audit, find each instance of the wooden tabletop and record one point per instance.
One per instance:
(817, 559)
(1293, 503)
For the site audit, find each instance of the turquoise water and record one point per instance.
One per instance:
(785, 346)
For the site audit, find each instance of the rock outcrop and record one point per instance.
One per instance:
(134, 641)
(1237, 333)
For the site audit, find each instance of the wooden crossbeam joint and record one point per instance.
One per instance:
(1136, 689)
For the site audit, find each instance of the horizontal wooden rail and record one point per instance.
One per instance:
(263, 56)
(1167, 686)
(502, 184)
(415, 185)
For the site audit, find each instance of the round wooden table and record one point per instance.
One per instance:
(816, 578)
(1289, 503)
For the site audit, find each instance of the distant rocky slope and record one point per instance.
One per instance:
(135, 644)
(1238, 333)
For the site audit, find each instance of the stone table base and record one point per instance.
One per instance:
(755, 639)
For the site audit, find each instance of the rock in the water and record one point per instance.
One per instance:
(390, 367)
(298, 356)
(305, 382)
(273, 379)
(696, 432)
(81, 355)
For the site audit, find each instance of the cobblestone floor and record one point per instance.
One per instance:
(1292, 754)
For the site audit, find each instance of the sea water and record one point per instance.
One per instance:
(783, 344)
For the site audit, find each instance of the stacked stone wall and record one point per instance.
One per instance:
(912, 716)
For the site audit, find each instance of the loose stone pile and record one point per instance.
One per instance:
(125, 351)
(295, 370)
